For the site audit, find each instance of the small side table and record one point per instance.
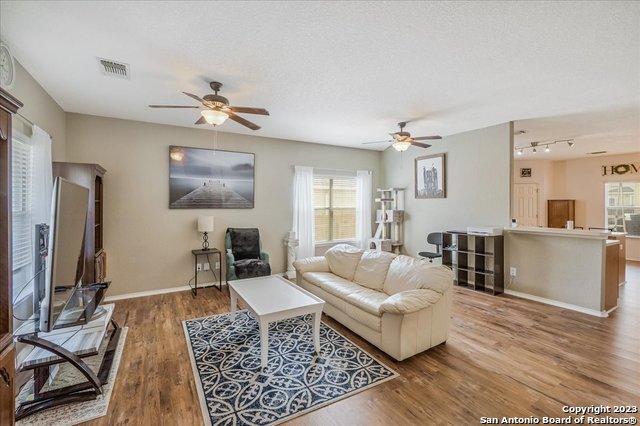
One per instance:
(212, 268)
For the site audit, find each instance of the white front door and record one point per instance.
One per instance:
(525, 202)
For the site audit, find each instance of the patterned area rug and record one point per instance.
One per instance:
(73, 414)
(233, 389)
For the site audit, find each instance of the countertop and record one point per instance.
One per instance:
(560, 232)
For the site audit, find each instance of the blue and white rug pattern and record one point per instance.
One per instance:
(234, 390)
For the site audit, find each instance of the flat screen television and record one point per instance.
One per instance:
(65, 262)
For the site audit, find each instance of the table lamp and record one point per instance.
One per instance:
(205, 225)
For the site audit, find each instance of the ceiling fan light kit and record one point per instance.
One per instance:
(402, 140)
(214, 117)
(401, 145)
(215, 109)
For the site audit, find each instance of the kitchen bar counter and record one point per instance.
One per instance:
(574, 269)
(561, 232)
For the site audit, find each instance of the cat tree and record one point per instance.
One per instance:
(390, 220)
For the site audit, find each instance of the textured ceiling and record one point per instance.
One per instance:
(615, 131)
(340, 73)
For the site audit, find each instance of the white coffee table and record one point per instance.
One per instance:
(274, 298)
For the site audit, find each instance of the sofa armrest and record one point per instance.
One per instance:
(264, 256)
(406, 302)
(311, 264)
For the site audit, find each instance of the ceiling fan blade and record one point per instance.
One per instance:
(201, 120)
(249, 110)
(420, 144)
(427, 138)
(191, 95)
(173, 106)
(368, 143)
(242, 121)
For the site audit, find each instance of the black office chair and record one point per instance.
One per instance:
(434, 238)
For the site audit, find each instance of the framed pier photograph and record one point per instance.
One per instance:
(201, 178)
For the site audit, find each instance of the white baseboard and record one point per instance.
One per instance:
(158, 291)
(558, 304)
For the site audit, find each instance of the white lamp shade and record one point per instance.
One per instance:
(401, 145)
(214, 117)
(205, 224)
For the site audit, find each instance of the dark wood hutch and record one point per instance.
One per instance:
(8, 106)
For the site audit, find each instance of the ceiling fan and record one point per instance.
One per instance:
(402, 140)
(216, 109)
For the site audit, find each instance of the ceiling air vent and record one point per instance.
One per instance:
(114, 69)
(596, 152)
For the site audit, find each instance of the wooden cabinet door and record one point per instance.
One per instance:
(559, 212)
(7, 374)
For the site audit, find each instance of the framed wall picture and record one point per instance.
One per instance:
(525, 172)
(201, 178)
(431, 176)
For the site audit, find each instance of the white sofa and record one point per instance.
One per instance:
(400, 304)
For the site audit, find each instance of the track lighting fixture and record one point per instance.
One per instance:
(533, 146)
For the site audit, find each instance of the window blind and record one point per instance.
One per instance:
(22, 170)
(335, 208)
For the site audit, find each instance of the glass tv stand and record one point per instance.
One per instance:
(82, 327)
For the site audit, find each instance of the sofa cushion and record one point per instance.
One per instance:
(407, 273)
(250, 268)
(321, 278)
(372, 269)
(339, 287)
(329, 298)
(343, 259)
(368, 300)
(374, 322)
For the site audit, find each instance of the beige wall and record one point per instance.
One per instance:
(478, 184)
(41, 109)
(148, 245)
(582, 180)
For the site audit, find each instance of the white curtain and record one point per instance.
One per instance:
(363, 207)
(303, 214)
(42, 176)
(38, 192)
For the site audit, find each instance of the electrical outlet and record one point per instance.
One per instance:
(217, 265)
(206, 266)
(199, 267)
(513, 271)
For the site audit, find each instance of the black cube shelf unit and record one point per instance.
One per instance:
(477, 260)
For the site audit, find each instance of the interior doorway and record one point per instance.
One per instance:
(526, 205)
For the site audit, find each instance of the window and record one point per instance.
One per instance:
(334, 200)
(21, 163)
(623, 207)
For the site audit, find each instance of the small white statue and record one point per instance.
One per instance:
(291, 242)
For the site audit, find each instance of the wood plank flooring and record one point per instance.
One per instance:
(504, 357)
